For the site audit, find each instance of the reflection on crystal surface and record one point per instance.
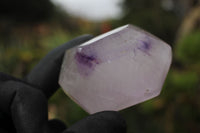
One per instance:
(115, 70)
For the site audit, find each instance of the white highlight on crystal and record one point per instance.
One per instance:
(103, 35)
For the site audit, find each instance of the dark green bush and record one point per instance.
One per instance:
(188, 48)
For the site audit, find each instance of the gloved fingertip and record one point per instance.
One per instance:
(55, 126)
(113, 119)
(102, 122)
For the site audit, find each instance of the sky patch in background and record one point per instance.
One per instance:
(96, 10)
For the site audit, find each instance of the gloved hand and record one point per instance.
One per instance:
(23, 102)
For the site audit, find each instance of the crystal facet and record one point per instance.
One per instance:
(115, 70)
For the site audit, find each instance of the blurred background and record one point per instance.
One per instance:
(29, 29)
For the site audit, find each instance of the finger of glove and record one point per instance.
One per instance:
(55, 126)
(28, 108)
(45, 74)
(6, 96)
(103, 122)
(6, 92)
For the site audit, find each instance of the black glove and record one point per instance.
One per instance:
(23, 103)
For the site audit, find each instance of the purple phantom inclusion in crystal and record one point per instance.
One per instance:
(144, 45)
(85, 63)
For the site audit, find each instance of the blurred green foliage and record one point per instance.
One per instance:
(18, 56)
(188, 49)
(176, 110)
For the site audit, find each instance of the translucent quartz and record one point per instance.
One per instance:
(115, 70)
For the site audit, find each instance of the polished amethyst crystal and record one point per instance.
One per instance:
(115, 70)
